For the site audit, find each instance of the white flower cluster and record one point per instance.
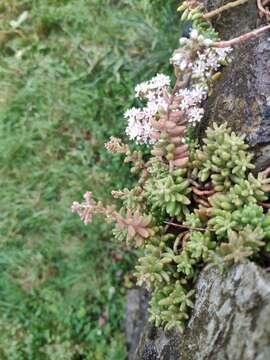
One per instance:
(197, 57)
(208, 59)
(190, 102)
(192, 97)
(182, 58)
(202, 61)
(153, 88)
(195, 114)
(208, 62)
(154, 91)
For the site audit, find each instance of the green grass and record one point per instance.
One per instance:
(67, 75)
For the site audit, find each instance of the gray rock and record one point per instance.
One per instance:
(231, 320)
(231, 316)
(242, 95)
(135, 319)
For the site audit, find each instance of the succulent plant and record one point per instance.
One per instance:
(242, 245)
(181, 225)
(193, 11)
(169, 134)
(191, 205)
(238, 207)
(195, 251)
(169, 306)
(133, 226)
(223, 158)
(169, 194)
(151, 270)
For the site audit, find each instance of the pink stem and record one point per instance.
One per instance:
(184, 227)
(202, 192)
(262, 9)
(239, 39)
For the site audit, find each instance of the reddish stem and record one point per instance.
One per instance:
(266, 172)
(184, 226)
(262, 9)
(242, 38)
(202, 192)
(184, 239)
(264, 204)
(203, 203)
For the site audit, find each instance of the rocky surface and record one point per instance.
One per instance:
(242, 95)
(230, 320)
(135, 319)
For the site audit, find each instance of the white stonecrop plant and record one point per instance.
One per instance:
(164, 188)
(195, 57)
(155, 92)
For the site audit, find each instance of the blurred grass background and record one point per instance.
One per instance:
(68, 69)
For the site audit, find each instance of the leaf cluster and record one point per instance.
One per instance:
(208, 211)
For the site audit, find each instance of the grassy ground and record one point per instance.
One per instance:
(67, 75)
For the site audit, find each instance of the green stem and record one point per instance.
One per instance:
(230, 5)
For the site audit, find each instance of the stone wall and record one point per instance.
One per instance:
(242, 95)
(231, 317)
(230, 320)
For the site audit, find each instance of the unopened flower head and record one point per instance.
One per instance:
(120, 194)
(194, 34)
(85, 209)
(115, 145)
(195, 41)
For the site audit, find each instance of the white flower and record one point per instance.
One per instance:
(207, 42)
(152, 88)
(183, 65)
(146, 134)
(195, 114)
(177, 58)
(160, 81)
(183, 41)
(134, 130)
(194, 34)
(199, 67)
(209, 61)
(192, 96)
(155, 91)
(133, 113)
(139, 126)
(222, 53)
